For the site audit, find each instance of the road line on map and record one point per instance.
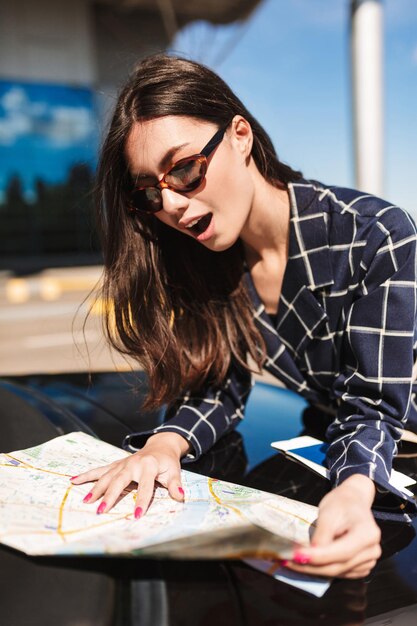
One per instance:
(61, 512)
(291, 514)
(217, 499)
(27, 465)
(102, 523)
(274, 508)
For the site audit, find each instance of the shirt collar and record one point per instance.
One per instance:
(309, 250)
(308, 270)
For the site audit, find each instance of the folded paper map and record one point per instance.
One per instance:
(42, 513)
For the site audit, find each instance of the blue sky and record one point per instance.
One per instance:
(44, 130)
(290, 65)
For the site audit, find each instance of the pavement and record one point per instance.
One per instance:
(42, 323)
(43, 327)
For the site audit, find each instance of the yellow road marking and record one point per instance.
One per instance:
(61, 512)
(211, 481)
(27, 465)
(291, 514)
(275, 508)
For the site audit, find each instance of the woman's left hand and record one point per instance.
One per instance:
(346, 541)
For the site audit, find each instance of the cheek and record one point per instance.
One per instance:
(231, 197)
(236, 191)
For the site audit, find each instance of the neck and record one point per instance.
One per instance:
(266, 231)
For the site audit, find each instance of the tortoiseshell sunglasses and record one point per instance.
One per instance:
(185, 175)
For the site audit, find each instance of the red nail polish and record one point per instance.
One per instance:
(88, 497)
(138, 512)
(73, 477)
(301, 558)
(284, 563)
(181, 490)
(101, 507)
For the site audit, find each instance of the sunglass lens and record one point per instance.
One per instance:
(187, 174)
(148, 199)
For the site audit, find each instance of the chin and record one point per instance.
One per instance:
(219, 245)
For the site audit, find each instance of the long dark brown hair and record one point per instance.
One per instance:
(179, 309)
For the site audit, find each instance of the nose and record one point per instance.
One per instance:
(173, 201)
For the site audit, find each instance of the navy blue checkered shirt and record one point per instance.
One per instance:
(344, 337)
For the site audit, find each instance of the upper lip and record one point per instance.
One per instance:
(184, 223)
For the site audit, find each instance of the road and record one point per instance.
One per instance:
(41, 324)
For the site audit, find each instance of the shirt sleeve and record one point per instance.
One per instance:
(202, 418)
(373, 389)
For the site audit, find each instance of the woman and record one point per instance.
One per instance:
(215, 251)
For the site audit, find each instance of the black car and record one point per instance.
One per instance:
(100, 591)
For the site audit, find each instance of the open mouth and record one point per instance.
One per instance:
(202, 224)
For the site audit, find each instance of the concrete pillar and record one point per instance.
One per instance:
(367, 93)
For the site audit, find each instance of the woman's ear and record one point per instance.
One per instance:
(242, 136)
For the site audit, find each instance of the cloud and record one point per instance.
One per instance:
(15, 99)
(15, 122)
(69, 125)
(12, 127)
(60, 125)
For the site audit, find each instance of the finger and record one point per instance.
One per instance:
(118, 483)
(336, 570)
(343, 549)
(101, 486)
(329, 571)
(363, 571)
(170, 478)
(92, 474)
(360, 562)
(175, 488)
(146, 488)
(326, 530)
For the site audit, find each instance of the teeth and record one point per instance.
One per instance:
(193, 223)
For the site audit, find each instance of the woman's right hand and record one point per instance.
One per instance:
(158, 460)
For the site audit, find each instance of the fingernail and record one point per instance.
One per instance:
(138, 512)
(88, 497)
(301, 558)
(284, 563)
(101, 507)
(73, 477)
(181, 490)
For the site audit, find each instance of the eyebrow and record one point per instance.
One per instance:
(166, 159)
